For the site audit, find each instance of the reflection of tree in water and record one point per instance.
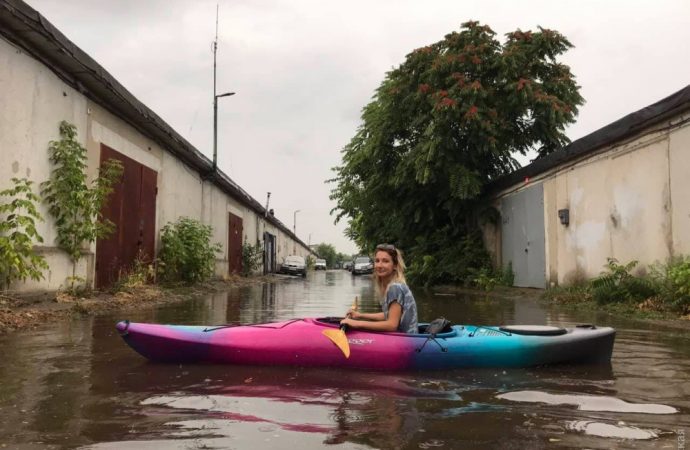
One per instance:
(377, 421)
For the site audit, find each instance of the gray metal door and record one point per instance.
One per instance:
(269, 253)
(522, 232)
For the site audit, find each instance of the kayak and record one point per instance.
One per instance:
(301, 342)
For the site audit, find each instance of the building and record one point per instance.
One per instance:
(45, 79)
(620, 192)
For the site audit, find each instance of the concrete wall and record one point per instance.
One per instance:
(630, 201)
(32, 104)
(33, 101)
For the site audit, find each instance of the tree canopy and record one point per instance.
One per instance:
(440, 127)
(327, 252)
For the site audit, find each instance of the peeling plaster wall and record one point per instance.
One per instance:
(618, 206)
(630, 201)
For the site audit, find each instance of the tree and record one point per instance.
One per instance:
(74, 204)
(441, 126)
(327, 252)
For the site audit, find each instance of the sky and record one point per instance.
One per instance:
(302, 71)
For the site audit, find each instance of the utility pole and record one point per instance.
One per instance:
(215, 100)
(294, 223)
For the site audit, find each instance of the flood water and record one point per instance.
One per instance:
(78, 385)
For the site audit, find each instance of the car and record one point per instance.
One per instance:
(294, 265)
(320, 264)
(348, 266)
(362, 264)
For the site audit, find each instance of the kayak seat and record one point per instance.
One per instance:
(436, 326)
(533, 330)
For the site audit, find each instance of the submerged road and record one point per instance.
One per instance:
(77, 385)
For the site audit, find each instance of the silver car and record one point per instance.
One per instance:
(294, 265)
(362, 264)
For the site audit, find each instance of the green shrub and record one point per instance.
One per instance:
(619, 285)
(506, 276)
(435, 261)
(186, 252)
(18, 217)
(251, 258)
(673, 279)
(485, 280)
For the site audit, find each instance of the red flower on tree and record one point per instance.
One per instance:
(471, 112)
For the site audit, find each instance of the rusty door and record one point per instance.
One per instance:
(132, 208)
(234, 243)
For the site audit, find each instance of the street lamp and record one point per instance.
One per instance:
(215, 100)
(294, 223)
(215, 123)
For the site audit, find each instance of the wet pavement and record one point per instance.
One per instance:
(78, 385)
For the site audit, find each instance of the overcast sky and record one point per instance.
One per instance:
(304, 69)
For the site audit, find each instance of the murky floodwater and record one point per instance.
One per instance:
(78, 384)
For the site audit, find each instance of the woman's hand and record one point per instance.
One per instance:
(353, 314)
(346, 321)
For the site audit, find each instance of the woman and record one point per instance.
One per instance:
(399, 310)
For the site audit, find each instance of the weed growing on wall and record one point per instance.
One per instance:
(18, 217)
(75, 204)
(186, 252)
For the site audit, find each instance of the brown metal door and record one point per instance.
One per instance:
(132, 208)
(234, 244)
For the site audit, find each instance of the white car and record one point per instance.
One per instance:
(320, 264)
(294, 265)
(362, 264)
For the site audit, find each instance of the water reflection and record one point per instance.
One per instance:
(77, 384)
(588, 402)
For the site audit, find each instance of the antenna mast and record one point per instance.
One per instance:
(215, 100)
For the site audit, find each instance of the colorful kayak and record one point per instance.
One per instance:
(300, 342)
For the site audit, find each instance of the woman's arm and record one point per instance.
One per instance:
(367, 316)
(390, 324)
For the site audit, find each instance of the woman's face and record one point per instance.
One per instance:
(383, 264)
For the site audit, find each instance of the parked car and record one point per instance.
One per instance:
(294, 265)
(320, 264)
(362, 264)
(348, 266)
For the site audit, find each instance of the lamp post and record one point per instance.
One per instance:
(215, 121)
(215, 101)
(294, 222)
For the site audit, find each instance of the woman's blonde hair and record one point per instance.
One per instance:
(398, 271)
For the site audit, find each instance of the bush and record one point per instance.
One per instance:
(251, 258)
(436, 262)
(619, 285)
(673, 280)
(18, 218)
(186, 252)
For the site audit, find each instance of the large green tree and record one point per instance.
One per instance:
(450, 119)
(327, 252)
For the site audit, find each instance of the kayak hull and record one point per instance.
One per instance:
(301, 342)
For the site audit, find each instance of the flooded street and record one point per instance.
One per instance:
(78, 385)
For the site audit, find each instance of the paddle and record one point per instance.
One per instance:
(338, 336)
